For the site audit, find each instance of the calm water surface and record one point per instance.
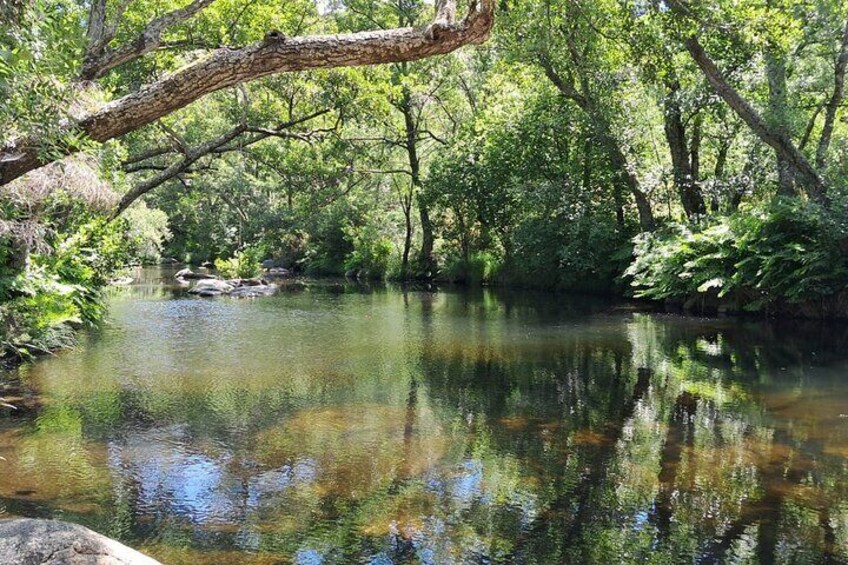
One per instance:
(340, 424)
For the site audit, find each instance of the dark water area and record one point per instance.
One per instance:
(334, 423)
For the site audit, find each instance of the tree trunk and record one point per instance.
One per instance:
(779, 117)
(425, 257)
(12, 12)
(627, 178)
(602, 132)
(675, 135)
(777, 140)
(407, 239)
(834, 102)
(227, 67)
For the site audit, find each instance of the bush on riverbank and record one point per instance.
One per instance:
(59, 290)
(786, 252)
(58, 250)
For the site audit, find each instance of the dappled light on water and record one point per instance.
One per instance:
(337, 423)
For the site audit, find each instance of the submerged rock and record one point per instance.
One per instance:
(248, 282)
(121, 281)
(24, 541)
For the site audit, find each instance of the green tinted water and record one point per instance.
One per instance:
(339, 424)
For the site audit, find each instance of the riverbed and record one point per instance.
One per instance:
(345, 423)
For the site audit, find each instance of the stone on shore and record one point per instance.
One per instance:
(25, 541)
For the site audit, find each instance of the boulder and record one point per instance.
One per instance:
(188, 274)
(254, 291)
(208, 265)
(24, 541)
(211, 287)
(168, 261)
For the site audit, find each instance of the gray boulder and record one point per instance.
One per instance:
(188, 274)
(211, 287)
(24, 541)
(253, 291)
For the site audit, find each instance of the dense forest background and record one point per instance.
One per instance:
(693, 152)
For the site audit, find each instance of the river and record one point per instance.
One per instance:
(336, 423)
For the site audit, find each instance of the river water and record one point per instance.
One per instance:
(335, 423)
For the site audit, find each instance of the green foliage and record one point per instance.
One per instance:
(244, 264)
(785, 251)
(148, 228)
(59, 291)
(371, 253)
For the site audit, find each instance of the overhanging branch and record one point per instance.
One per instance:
(228, 67)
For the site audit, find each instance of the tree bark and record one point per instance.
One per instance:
(834, 102)
(227, 67)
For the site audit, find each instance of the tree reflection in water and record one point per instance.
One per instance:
(387, 426)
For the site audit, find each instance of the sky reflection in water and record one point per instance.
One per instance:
(338, 424)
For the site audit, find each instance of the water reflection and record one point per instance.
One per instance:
(337, 424)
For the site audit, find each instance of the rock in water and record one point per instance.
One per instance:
(277, 273)
(188, 274)
(24, 541)
(211, 287)
(252, 291)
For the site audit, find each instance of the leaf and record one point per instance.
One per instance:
(712, 283)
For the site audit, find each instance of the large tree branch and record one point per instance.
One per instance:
(228, 67)
(96, 25)
(100, 61)
(190, 157)
(136, 162)
(834, 103)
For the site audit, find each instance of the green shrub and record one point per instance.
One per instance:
(148, 228)
(243, 264)
(787, 251)
(372, 252)
(59, 291)
(481, 267)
